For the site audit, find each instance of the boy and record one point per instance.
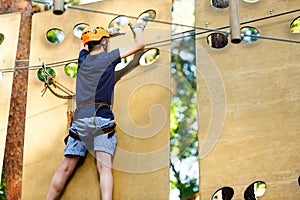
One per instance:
(93, 124)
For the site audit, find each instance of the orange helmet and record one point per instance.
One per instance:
(93, 33)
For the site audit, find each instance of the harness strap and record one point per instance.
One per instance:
(110, 131)
(96, 102)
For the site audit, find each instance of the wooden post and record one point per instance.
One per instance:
(58, 7)
(13, 157)
(234, 21)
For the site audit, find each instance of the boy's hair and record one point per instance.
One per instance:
(92, 44)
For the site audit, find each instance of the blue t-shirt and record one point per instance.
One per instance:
(95, 81)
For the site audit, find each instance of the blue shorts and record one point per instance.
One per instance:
(85, 128)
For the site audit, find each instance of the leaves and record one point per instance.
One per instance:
(183, 119)
(3, 187)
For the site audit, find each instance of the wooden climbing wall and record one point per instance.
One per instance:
(141, 107)
(9, 28)
(249, 103)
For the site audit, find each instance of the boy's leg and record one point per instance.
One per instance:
(104, 166)
(104, 148)
(74, 150)
(61, 176)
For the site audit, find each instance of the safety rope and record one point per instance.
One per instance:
(47, 86)
(49, 80)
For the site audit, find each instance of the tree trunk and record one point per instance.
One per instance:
(13, 157)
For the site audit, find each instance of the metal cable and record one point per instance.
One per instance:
(206, 30)
(152, 20)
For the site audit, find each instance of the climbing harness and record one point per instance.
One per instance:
(109, 130)
(50, 80)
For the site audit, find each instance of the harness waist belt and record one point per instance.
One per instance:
(110, 131)
(96, 102)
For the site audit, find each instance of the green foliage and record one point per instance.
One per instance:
(3, 187)
(55, 36)
(71, 70)
(42, 77)
(72, 2)
(183, 109)
(183, 116)
(1, 38)
(295, 26)
(188, 189)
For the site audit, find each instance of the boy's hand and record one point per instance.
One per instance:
(82, 46)
(113, 32)
(140, 25)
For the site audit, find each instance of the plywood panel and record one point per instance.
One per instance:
(250, 92)
(9, 27)
(141, 106)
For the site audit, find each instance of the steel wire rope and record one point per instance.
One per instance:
(243, 23)
(259, 19)
(59, 63)
(167, 40)
(150, 20)
(184, 25)
(34, 67)
(171, 23)
(42, 2)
